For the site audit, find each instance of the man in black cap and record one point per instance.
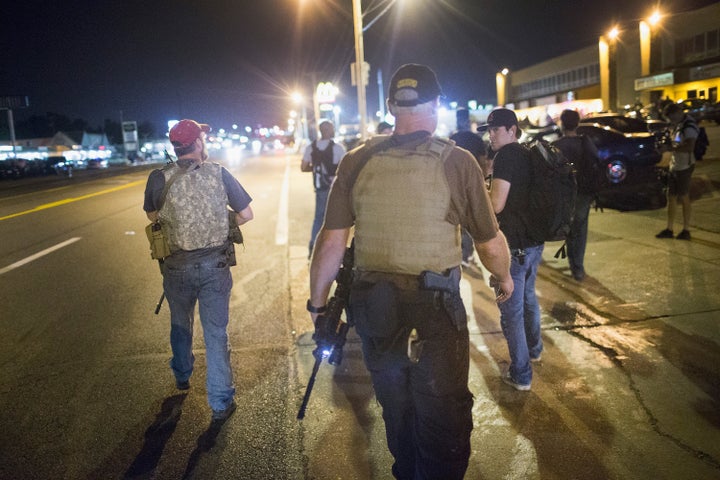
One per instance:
(407, 196)
(520, 315)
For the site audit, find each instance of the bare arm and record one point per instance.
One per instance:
(326, 260)
(499, 194)
(152, 216)
(495, 255)
(245, 215)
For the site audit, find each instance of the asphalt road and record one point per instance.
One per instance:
(628, 387)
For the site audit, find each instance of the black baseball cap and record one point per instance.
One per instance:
(502, 117)
(413, 84)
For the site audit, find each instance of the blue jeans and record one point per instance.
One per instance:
(520, 316)
(577, 239)
(321, 197)
(207, 282)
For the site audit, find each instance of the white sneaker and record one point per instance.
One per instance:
(517, 386)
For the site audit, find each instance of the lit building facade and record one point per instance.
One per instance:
(674, 56)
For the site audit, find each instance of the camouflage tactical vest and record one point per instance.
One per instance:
(194, 214)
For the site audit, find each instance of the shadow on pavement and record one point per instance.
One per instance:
(157, 436)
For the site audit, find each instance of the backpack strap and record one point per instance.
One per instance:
(168, 184)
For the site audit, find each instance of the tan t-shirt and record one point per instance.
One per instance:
(469, 200)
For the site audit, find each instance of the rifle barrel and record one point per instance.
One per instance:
(159, 304)
(308, 390)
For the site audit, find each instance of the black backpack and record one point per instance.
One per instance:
(701, 144)
(553, 189)
(323, 165)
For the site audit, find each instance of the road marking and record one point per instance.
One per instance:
(281, 230)
(31, 258)
(71, 200)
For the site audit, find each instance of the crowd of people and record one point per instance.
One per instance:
(417, 208)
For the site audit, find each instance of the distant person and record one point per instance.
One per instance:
(190, 200)
(682, 164)
(473, 143)
(583, 154)
(321, 158)
(406, 201)
(520, 315)
(384, 128)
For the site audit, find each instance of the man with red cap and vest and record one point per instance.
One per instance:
(190, 200)
(407, 197)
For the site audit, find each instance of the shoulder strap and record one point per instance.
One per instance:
(168, 184)
(366, 154)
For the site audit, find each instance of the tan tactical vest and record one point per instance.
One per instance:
(401, 200)
(194, 214)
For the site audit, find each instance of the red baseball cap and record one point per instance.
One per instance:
(187, 131)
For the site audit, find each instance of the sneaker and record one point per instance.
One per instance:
(184, 385)
(222, 415)
(517, 386)
(684, 235)
(667, 233)
(579, 275)
(537, 359)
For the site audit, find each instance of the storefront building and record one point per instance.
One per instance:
(667, 56)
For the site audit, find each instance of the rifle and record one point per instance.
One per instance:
(170, 160)
(330, 332)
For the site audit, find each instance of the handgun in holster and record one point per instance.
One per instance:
(447, 293)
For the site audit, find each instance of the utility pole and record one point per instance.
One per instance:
(359, 61)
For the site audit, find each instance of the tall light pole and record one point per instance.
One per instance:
(359, 62)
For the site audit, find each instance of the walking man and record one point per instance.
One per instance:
(520, 315)
(190, 200)
(407, 197)
(321, 158)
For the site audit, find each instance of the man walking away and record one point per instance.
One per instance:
(520, 315)
(407, 199)
(190, 200)
(321, 158)
(579, 150)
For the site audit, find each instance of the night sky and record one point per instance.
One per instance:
(237, 61)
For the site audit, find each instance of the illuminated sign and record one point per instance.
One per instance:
(326, 92)
(661, 80)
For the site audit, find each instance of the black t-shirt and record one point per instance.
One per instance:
(512, 164)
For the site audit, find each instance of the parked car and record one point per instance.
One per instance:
(702, 109)
(626, 124)
(632, 178)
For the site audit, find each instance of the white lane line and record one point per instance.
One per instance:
(31, 258)
(281, 230)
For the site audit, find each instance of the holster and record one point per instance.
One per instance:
(447, 294)
(234, 233)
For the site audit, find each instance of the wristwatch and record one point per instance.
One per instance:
(312, 309)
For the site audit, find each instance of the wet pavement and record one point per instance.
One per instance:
(629, 382)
